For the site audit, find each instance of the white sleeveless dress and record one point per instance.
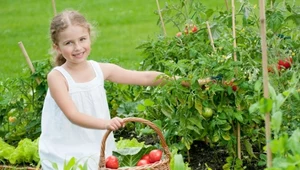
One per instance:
(60, 139)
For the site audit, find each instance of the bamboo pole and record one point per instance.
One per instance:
(54, 7)
(265, 77)
(161, 18)
(28, 59)
(210, 36)
(238, 131)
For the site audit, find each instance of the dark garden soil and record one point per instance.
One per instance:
(201, 156)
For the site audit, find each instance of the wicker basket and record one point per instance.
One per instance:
(163, 164)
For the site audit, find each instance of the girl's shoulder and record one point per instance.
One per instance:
(55, 74)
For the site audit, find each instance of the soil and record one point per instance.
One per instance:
(201, 156)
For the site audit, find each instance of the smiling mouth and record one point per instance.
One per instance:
(78, 54)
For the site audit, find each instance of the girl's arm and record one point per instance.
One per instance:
(117, 74)
(59, 91)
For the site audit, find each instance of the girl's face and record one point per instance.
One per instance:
(74, 44)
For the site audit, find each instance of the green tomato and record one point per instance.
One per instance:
(208, 112)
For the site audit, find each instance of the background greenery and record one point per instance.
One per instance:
(120, 25)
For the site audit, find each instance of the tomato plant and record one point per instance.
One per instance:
(191, 56)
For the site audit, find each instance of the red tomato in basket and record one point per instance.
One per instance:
(146, 157)
(112, 162)
(155, 155)
(142, 162)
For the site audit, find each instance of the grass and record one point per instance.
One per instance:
(120, 25)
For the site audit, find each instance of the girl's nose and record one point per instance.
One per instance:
(77, 47)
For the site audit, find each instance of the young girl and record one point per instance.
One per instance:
(75, 114)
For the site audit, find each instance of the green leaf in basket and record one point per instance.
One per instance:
(130, 156)
(129, 151)
(128, 143)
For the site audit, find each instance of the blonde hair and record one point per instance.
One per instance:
(61, 22)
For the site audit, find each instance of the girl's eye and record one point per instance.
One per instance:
(82, 39)
(68, 43)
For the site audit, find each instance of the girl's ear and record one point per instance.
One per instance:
(56, 48)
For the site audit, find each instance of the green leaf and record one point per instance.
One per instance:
(293, 142)
(272, 92)
(257, 86)
(178, 162)
(127, 143)
(226, 136)
(68, 165)
(276, 121)
(148, 102)
(54, 165)
(278, 146)
(254, 107)
(193, 128)
(265, 105)
(226, 127)
(198, 106)
(130, 156)
(141, 107)
(279, 101)
(166, 112)
(249, 149)
(196, 122)
(238, 116)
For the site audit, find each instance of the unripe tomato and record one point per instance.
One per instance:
(11, 119)
(112, 162)
(155, 155)
(208, 112)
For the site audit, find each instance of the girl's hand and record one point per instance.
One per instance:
(114, 124)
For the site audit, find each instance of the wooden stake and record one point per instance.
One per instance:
(210, 36)
(265, 77)
(28, 59)
(161, 18)
(271, 4)
(233, 29)
(226, 3)
(238, 131)
(54, 7)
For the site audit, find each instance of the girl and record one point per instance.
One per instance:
(75, 115)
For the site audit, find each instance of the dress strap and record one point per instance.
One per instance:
(67, 76)
(98, 70)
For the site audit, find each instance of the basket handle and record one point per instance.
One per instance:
(140, 120)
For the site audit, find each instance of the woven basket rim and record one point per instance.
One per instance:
(165, 161)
